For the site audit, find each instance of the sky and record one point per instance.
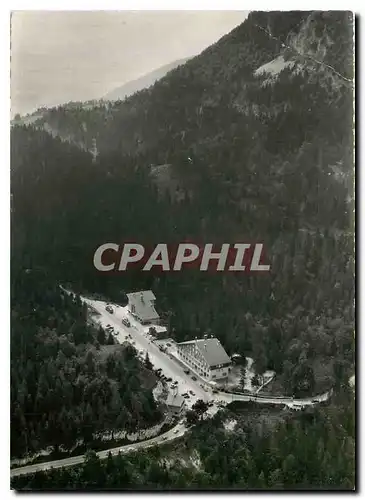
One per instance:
(57, 57)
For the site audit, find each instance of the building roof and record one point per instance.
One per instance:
(175, 400)
(148, 295)
(143, 305)
(211, 349)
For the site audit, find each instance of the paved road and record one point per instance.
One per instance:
(174, 433)
(171, 369)
(159, 359)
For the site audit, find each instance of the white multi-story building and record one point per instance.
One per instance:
(206, 357)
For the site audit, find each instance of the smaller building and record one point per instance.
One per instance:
(141, 305)
(158, 331)
(175, 403)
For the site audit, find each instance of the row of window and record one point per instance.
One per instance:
(195, 364)
(198, 365)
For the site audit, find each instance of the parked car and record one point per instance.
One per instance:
(169, 379)
(126, 322)
(187, 372)
(176, 431)
(194, 378)
(192, 393)
(168, 345)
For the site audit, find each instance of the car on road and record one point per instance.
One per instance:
(126, 322)
(187, 372)
(164, 438)
(194, 378)
(109, 309)
(215, 391)
(176, 431)
(192, 393)
(168, 345)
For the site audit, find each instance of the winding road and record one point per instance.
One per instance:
(138, 335)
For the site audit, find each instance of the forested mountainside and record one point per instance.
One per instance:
(224, 148)
(313, 450)
(68, 378)
(187, 106)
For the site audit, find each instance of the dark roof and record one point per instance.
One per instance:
(212, 351)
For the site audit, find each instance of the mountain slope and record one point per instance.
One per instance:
(222, 148)
(143, 82)
(63, 390)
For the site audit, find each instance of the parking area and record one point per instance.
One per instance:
(126, 328)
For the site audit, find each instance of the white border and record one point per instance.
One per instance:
(4, 184)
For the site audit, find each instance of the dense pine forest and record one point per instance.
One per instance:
(315, 450)
(68, 378)
(216, 151)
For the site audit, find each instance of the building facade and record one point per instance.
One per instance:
(175, 403)
(141, 305)
(206, 357)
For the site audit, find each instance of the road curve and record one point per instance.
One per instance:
(173, 433)
(170, 366)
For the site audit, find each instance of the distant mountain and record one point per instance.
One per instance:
(143, 82)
